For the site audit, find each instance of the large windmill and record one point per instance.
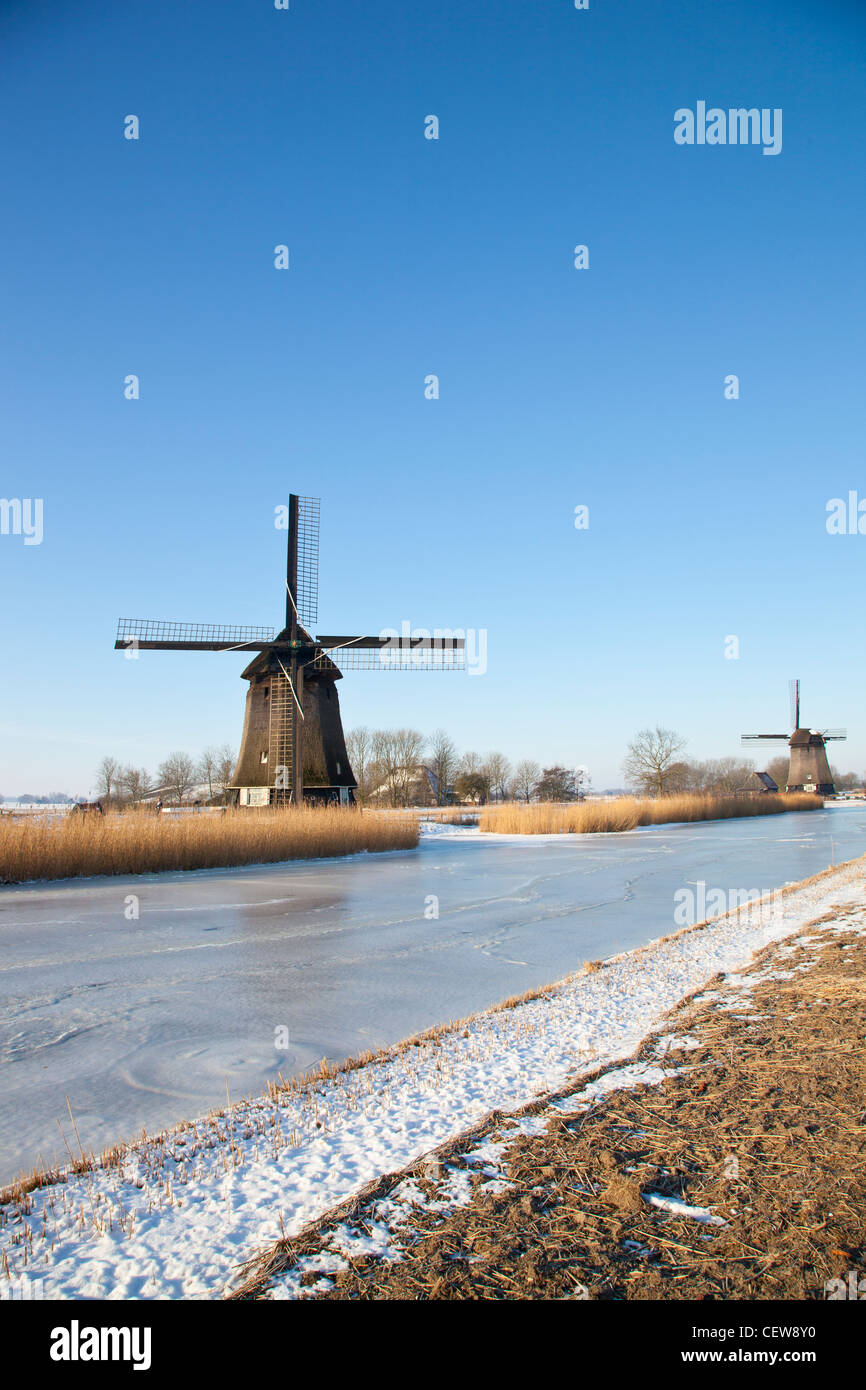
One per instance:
(293, 747)
(808, 770)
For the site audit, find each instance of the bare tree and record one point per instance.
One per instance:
(680, 778)
(387, 773)
(359, 746)
(409, 747)
(582, 782)
(226, 757)
(208, 768)
(716, 776)
(498, 770)
(778, 770)
(844, 781)
(107, 777)
(469, 762)
(177, 773)
(523, 783)
(396, 754)
(649, 759)
(135, 782)
(443, 762)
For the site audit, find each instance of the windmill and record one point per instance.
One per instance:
(293, 746)
(808, 770)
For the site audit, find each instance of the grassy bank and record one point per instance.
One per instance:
(734, 1170)
(626, 812)
(143, 843)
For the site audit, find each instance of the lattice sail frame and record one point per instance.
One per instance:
(158, 630)
(399, 657)
(309, 512)
(794, 703)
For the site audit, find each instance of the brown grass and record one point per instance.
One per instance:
(138, 843)
(627, 812)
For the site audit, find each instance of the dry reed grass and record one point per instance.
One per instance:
(139, 842)
(627, 812)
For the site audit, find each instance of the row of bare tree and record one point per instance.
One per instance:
(176, 776)
(388, 763)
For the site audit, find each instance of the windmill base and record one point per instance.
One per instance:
(253, 797)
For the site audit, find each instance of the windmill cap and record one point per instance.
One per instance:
(804, 738)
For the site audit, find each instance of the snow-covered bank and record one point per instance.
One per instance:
(176, 1214)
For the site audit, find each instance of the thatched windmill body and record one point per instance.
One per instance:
(293, 747)
(809, 767)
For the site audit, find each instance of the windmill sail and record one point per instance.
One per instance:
(156, 634)
(308, 561)
(794, 694)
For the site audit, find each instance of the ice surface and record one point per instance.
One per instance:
(145, 1022)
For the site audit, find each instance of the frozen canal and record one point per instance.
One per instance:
(142, 1022)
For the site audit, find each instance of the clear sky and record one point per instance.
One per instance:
(559, 387)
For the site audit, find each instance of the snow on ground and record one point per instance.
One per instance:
(178, 1212)
(677, 1207)
(669, 1042)
(622, 1079)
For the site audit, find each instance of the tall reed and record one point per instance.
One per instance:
(627, 812)
(141, 842)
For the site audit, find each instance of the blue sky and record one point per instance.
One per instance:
(409, 256)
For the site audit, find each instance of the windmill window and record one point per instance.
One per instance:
(339, 769)
(267, 691)
(264, 757)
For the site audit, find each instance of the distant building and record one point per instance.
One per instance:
(760, 784)
(420, 788)
(766, 781)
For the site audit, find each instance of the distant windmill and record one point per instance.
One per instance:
(808, 770)
(293, 746)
